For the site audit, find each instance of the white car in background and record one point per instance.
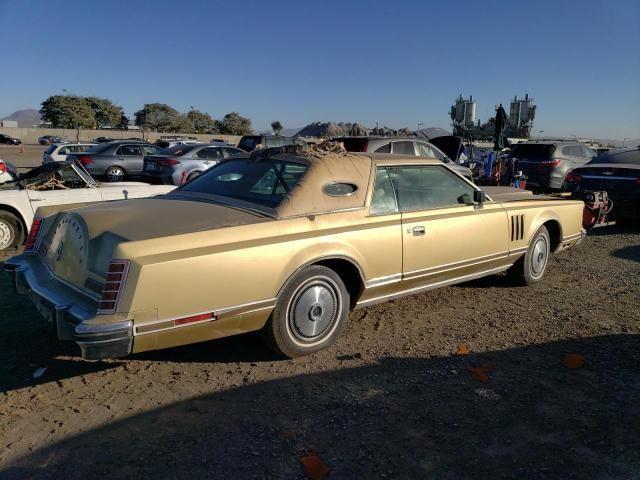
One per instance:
(57, 183)
(7, 172)
(57, 152)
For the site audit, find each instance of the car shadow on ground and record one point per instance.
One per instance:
(615, 229)
(632, 252)
(397, 418)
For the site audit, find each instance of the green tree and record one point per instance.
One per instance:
(124, 122)
(201, 122)
(157, 116)
(182, 124)
(68, 111)
(106, 113)
(276, 127)
(235, 124)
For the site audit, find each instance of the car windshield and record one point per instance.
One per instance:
(533, 152)
(264, 183)
(178, 150)
(50, 150)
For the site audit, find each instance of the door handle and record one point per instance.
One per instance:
(37, 199)
(418, 231)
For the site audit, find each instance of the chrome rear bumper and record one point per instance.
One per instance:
(72, 314)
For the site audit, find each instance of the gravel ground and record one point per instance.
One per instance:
(391, 400)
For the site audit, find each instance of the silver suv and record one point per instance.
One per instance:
(546, 162)
(406, 146)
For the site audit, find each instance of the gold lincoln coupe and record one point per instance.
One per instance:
(286, 241)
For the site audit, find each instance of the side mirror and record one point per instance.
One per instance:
(479, 197)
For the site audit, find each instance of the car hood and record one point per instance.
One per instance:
(451, 145)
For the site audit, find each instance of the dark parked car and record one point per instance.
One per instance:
(49, 139)
(545, 163)
(102, 140)
(618, 173)
(447, 149)
(7, 140)
(116, 160)
(249, 143)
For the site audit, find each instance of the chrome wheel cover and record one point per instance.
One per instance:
(115, 174)
(539, 256)
(6, 235)
(314, 310)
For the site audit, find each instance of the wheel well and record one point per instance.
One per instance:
(555, 233)
(23, 224)
(349, 273)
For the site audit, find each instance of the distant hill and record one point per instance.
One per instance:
(25, 118)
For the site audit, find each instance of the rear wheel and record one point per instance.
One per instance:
(310, 314)
(192, 175)
(531, 267)
(11, 231)
(115, 174)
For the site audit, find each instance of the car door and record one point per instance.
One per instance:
(119, 191)
(444, 235)
(130, 158)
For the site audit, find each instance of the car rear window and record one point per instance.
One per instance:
(533, 152)
(264, 182)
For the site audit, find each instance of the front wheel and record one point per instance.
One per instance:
(11, 231)
(531, 267)
(310, 313)
(115, 174)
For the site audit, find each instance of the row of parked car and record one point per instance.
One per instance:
(182, 160)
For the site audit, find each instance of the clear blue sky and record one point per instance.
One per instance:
(396, 62)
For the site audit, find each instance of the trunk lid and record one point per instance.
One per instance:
(80, 243)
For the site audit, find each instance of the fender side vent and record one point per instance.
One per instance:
(517, 227)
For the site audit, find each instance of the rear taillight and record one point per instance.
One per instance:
(572, 177)
(32, 239)
(168, 162)
(85, 159)
(364, 146)
(552, 163)
(113, 286)
(3, 167)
